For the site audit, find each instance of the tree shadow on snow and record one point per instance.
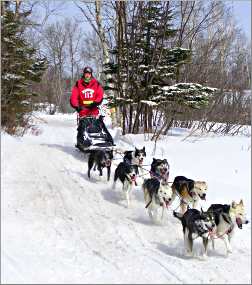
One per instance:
(69, 150)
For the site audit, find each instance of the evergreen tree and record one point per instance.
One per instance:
(152, 65)
(20, 67)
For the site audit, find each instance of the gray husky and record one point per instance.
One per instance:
(195, 224)
(227, 218)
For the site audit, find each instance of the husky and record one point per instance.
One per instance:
(100, 159)
(156, 196)
(227, 217)
(127, 175)
(135, 158)
(160, 169)
(196, 224)
(189, 192)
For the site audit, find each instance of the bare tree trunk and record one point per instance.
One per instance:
(137, 119)
(101, 31)
(150, 117)
(169, 125)
(145, 119)
(157, 135)
(124, 120)
(130, 118)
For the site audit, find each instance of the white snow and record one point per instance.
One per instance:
(59, 227)
(149, 103)
(30, 71)
(9, 76)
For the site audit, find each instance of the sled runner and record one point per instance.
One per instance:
(93, 135)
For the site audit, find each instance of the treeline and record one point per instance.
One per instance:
(21, 66)
(162, 63)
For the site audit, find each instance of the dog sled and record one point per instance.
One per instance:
(93, 135)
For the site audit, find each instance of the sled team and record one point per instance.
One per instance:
(219, 221)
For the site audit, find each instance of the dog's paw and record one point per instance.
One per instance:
(188, 253)
(229, 251)
(128, 203)
(204, 256)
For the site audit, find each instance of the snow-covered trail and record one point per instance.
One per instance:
(60, 227)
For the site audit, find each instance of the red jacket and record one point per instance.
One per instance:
(84, 94)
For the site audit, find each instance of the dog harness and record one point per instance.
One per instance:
(159, 177)
(156, 175)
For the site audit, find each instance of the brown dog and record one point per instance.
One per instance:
(189, 191)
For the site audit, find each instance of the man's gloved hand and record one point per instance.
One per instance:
(78, 109)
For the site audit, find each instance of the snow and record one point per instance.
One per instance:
(9, 76)
(149, 103)
(31, 71)
(59, 227)
(7, 40)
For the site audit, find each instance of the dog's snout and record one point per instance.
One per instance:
(203, 196)
(169, 199)
(246, 222)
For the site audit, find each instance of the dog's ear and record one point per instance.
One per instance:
(241, 202)
(211, 212)
(203, 214)
(154, 159)
(233, 204)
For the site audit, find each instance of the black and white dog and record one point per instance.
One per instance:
(127, 175)
(196, 224)
(227, 218)
(135, 158)
(100, 159)
(160, 169)
(156, 196)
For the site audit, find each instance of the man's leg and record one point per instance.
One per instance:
(80, 131)
(110, 139)
(82, 141)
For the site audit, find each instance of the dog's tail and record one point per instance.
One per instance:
(177, 215)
